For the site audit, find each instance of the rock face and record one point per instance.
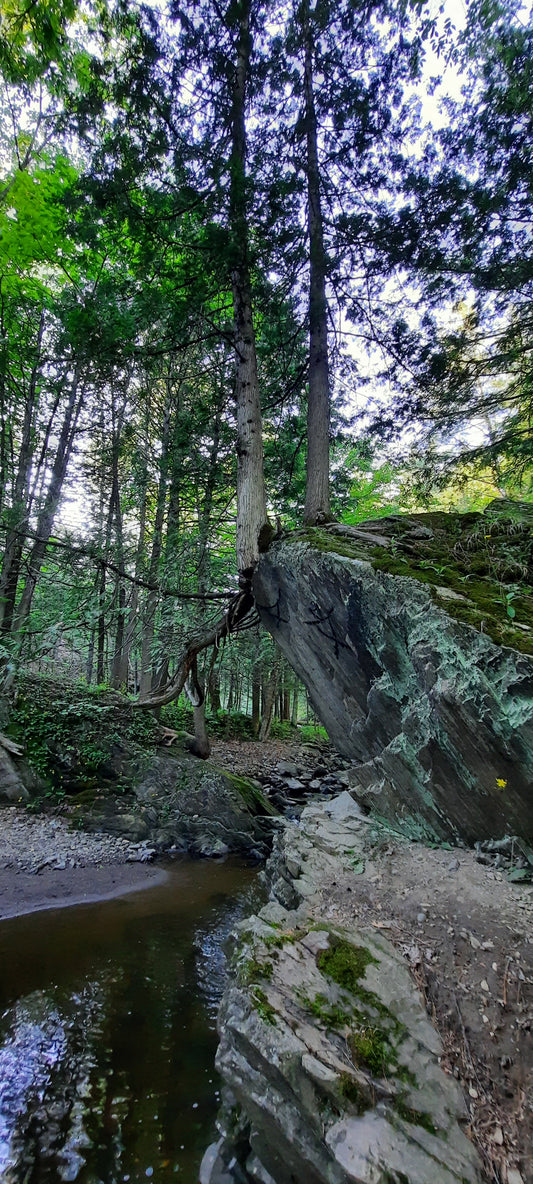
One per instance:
(180, 803)
(435, 715)
(331, 1066)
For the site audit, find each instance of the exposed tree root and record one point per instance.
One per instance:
(240, 614)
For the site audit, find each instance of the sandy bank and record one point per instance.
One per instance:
(23, 892)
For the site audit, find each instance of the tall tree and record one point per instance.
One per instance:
(467, 237)
(317, 500)
(251, 493)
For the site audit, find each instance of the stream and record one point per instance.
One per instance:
(107, 1031)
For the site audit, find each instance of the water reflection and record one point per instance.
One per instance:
(107, 1034)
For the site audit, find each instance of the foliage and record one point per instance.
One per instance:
(117, 363)
(70, 734)
(467, 225)
(310, 733)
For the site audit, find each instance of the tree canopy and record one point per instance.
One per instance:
(254, 271)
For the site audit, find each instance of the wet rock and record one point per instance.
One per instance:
(131, 826)
(286, 769)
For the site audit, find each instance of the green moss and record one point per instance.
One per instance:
(332, 1015)
(486, 558)
(321, 540)
(352, 1092)
(262, 1006)
(415, 1117)
(253, 798)
(371, 1050)
(251, 971)
(278, 940)
(406, 1075)
(344, 963)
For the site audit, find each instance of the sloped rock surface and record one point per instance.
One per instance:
(436, 717)
(330, 1062)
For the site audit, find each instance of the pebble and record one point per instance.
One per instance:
(421, 917)
(31, 843)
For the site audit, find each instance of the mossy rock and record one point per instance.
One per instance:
(485, 559)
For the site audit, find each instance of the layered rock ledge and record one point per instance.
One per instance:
(331, 1066)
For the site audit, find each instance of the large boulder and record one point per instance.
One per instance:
(120, 777)
(332, 1065)
(423, 679)
(178, 803)
(206, 810)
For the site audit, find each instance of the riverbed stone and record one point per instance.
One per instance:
(338, 1084)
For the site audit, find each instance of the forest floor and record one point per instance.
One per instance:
(464, 929)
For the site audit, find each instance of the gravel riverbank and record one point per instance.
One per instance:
(44, 864)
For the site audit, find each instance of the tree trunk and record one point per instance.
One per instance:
(213, 687)
(139, 560)
(120, 659)
(317, 499)
(231, 691)
(268, 703)
(14, 544)
(157, 548)
(251, 495)
(90, 659)
(100, 654)
(45, 521)
(256, 696)
(195, 693)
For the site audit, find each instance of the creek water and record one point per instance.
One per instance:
(107, 1031)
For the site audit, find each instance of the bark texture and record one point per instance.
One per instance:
(317, 497)
(251, 496)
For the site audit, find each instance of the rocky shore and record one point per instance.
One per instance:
(377, 1025)
(44, 863)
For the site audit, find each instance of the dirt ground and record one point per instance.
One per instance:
(467, 934)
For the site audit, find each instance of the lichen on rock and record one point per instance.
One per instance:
(429, 694)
